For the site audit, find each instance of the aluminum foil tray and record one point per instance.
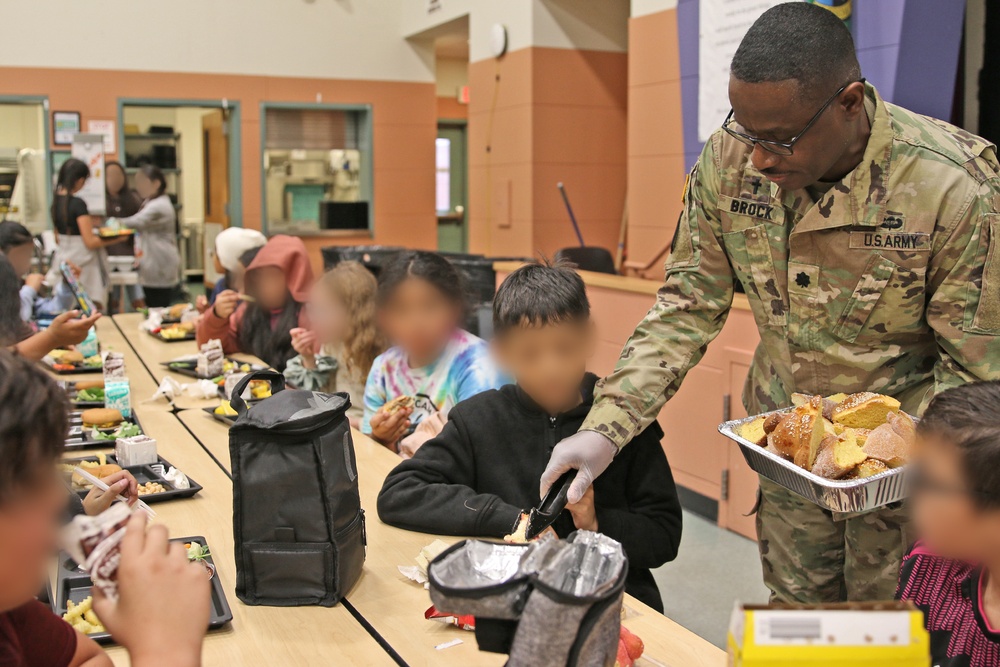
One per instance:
(851, 495)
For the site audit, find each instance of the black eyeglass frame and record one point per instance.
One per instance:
(784, 148)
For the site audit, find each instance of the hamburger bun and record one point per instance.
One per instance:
(101, 418)
(89, 384)
(100, 472)
(71, 357)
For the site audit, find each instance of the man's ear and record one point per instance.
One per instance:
(852, 100)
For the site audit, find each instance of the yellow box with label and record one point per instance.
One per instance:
(884, 634)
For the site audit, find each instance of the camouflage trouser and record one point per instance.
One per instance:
(811, 555)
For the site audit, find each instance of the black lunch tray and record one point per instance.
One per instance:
(72, 584)
(81, 438)
(78, 369)
(71, 394)
(189, 368)
(228, 420)
(143, 474)
(189, 336)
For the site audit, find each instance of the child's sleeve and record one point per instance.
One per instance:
(210, 326)
(310, 379)
(374, 394)
(433, 492)
(476, 372)
(650, 530)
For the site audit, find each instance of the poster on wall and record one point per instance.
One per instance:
(722, 24)
(90, 149)
(65, 125)
(105, 128)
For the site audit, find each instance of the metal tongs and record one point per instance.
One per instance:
(552, 505)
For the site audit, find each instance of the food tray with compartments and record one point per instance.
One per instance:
(144, 474)
(71, 393)
(83, 438)
(74, 584)
(836, 495)
(189, 367)
(228, 420)
(188, 336)
(77, 369)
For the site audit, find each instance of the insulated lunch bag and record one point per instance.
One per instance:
(297, 520)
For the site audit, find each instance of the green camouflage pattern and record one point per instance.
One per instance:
(888, 283)
(810, 555)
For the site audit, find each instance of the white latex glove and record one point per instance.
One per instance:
(588, 452)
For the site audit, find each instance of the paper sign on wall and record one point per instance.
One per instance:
(105, 128)
(90, 149)
(721, 27)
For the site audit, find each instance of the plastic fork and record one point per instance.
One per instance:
(104, 487)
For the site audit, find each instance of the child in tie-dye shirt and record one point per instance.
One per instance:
(433, 361)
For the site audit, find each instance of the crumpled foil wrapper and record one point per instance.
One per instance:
(94, 542)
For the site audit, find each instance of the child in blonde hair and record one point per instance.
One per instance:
(337, 350)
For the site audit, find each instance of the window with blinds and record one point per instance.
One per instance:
(312, 129)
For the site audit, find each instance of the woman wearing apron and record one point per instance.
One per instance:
(76, 232)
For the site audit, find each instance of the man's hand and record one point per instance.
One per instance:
(388, 429)
(121, 482)
(35, 281)
(225, 303)
(162, 610)
(66, 329)
(584, 513)
(429, 428)
(588, 452)
(304, 342)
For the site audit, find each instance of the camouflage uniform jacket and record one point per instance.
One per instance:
(890, 282)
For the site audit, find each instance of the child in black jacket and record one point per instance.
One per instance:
(481, 472)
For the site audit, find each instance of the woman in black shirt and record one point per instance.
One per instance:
(76, 232)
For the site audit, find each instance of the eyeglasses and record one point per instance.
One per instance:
(779, 147)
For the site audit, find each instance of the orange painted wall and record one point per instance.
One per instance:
(539, 116)
(448, 108)
(404, 128)
(655, 135)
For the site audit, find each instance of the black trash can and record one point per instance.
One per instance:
(373, 257)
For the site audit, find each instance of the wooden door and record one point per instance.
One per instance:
(215, 133)
(741, 482)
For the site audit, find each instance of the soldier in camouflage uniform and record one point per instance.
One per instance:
(883, 277)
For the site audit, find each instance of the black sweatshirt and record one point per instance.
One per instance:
(482, 471)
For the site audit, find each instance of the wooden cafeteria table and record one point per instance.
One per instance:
(394, 606)
(154, 352)
(257, 635)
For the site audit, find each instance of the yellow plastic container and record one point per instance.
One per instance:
(887, 634)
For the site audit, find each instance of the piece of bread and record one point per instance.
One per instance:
(864, 410)
(100, 472)
(89, 384)
(799, 398)
(178, 309)
(802, 427)
(754, 432)
(903, 425)
(397, 404)
(836, 398)
(771, 421)
(838, 455)
(101, 418)
(887, 446)
(861, 434)
(869, 468)
(801, 458)
(774, 450)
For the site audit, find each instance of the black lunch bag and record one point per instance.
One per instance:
(297, 520)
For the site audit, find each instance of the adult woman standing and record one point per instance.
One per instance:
(76, 232)
(122, 202)
(156, 222)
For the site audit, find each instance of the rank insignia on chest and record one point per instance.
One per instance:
(907, 241)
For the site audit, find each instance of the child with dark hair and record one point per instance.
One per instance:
(33, 425)
(433, 363)
(278, 279)
(479, 475)
(156, 222)
(17, 243)
(953, 573)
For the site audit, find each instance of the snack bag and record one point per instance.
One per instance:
(117, 395)
(94, 543)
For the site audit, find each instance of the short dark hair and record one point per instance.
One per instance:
(154, 174)
(799, 41)
(13, 235)
(540, 294)
(969, 418)
(425, 265)
(12, 328)
(33, 423)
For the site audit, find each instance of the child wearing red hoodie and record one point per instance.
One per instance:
(278, 279)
